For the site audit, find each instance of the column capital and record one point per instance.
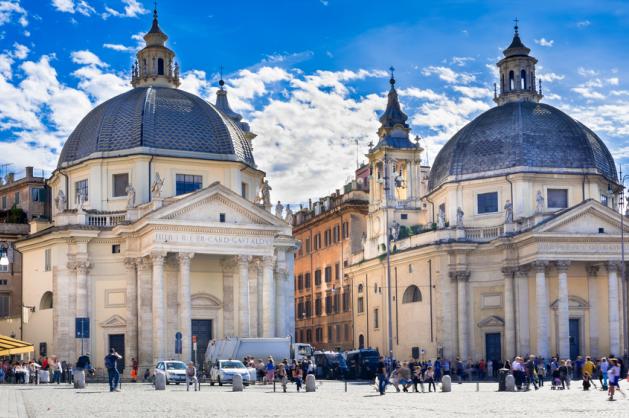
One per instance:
(461, 276)
(509, 270)
(540, 266)
(229, 264)
(82, 266)
(158, 257)
(243, 261)
(142, 263)
(130, 263)
(562, 265)
(268, 261)
(184, 258)
(613, 266)
(592, 270)
(523, 271)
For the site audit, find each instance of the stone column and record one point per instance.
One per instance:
(614, 322)
(145, 321)
(563, 312)
(268, 297)
(509, 312)
(229, 328)
(461, 278)
(541, 300)
(159, 320)
(289, 306)
(131, 337)
(63, 326)
(253, 299)
(185, 305)
(243, 312)
(592, 272)
(83, 303)
(279, 301)
(523, 335)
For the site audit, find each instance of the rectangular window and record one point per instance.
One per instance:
(120, 183)
(308, 307)
(16, 200)
(38, 194)
(318, 309)
(300, 310)
(604, 200)
(221, 217)
(404, 216)
(346, 331)
(307, 281)
(328, 304)
(187, 183)
(81, 188)
(376, 319)
(4, 304)
(115, 249)
(346, 296)
(4, 282)
(243, 189)
(308, 335)
(317, 278)
(337, 305)
(557, 198)
(4, 202)
(307, 245)
(337, 271)
(344, 230)
(300, 282)
(330, 334)
(487, 202)
(47, 259)
(360, 308)
(3, 253)
(338, 332)
(319, 334)
(328, 274)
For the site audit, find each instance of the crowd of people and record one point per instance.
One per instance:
(24, 372)
(285, 371)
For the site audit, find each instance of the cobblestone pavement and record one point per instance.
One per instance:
(361, 400)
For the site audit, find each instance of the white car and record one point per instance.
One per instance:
(223, 371)
(175, 371)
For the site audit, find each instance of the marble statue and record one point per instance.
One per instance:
(81, 197)
(60, 201)
(265, 192)
(459, 217)
(157, 186)
(289, 215)
(395, 230)
(279, 208)
(130, 196)
(441, 218)
(508, 212)
(539, 199)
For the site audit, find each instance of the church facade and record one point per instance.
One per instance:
(509, 245)
(161, 229)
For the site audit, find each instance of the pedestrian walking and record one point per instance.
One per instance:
(429, 377)
(382, 376)
(270, 370)
(531, 373)
(298, 376)
(613, 374)
(111, 364)
(604, 368)
(282, 375)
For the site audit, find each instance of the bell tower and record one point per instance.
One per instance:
(155, 63)
(517, 74)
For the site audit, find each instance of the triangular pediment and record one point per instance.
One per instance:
(491, 321)
(590, 217)
(114, 321)
(207, 205)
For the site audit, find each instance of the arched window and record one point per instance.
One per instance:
(46, 301)
(412, 294)
(511, 80)
(502, 83)
(360, 288)
(523, 80)
(160, 66)
(361, 341)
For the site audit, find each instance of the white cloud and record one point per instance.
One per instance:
(85, 57)
(586, 72)
(448, 75)
(544, 42)
(132, 8)
(550, 77)
(614, 81)
(20, 51)
(583, 24)
(588, 92)
(473, 92)
(9, 8)
(461, 61)
(72, 6)
(118, 47)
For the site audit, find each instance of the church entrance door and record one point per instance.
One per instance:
(202, 329)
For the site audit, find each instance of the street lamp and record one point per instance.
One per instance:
(622, 252)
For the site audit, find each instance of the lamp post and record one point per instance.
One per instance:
(387, 188)
(623, 279)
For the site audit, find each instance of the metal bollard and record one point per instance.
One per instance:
(477, 387)
(346, 386)
(273, 385)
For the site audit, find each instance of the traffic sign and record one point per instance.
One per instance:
(82, 328)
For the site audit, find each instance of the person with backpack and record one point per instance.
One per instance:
(111, 364)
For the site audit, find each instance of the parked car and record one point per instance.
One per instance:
(175, 370)
(223, 371)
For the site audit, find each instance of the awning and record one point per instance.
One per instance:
(10, 346)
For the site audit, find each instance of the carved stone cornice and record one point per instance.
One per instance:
(562, 265)
(460, 276)
(592, 270)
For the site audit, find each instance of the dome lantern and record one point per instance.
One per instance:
(517, 73)
(155, 63)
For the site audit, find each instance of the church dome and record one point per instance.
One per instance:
(519, 137)
(157, 121)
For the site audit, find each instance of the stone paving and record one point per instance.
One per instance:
(360, 400)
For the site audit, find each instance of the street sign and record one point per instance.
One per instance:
(82, 328)
(178, 344)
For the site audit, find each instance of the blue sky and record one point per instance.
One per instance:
(310, 75)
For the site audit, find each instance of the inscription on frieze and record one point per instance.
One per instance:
(212, 239)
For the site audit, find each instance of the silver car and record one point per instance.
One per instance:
(223, 371)
(175, 371)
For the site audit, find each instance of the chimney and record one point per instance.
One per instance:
(29, 172)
